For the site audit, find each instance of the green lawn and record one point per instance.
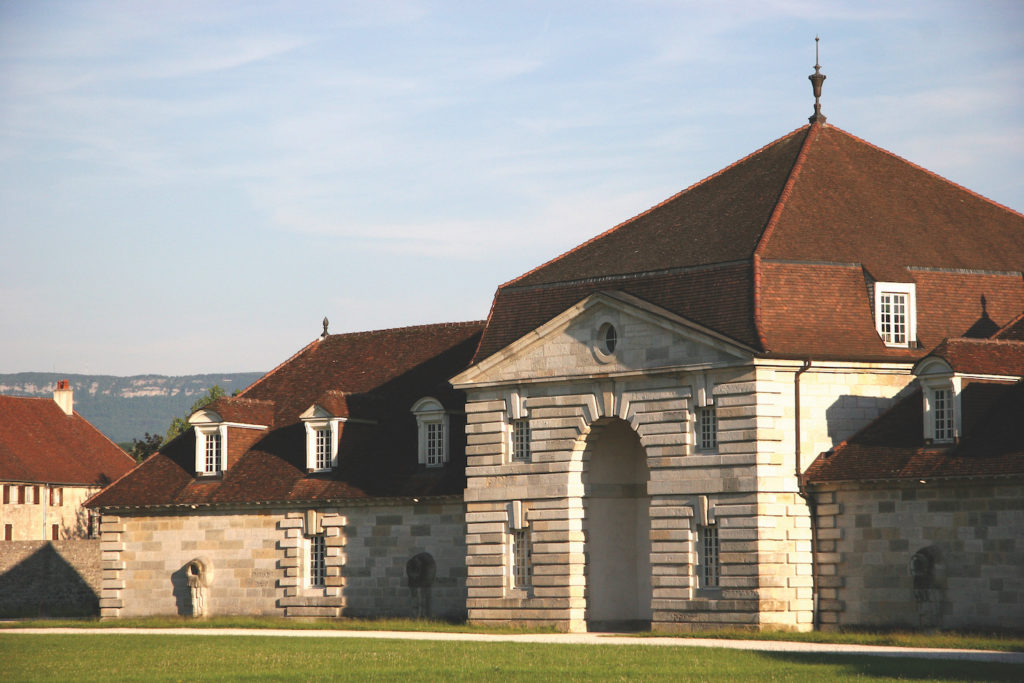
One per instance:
(98, 657)
(1004, 642)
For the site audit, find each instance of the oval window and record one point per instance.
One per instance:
(607, 340)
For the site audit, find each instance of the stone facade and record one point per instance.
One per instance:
(661, 372)
(922, 555)
(258, 561)
(44, 507)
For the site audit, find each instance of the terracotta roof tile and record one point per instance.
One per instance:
(982, 356)
(375, 375)
(892, 447)
(818, 196)
(39, 442)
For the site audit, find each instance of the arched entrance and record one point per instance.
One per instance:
(616, 527)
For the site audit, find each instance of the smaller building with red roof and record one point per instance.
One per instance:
(331, 485)
(51, 461)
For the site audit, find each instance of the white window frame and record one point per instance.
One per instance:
(431, 418)
(886, 328)
(203, 433)
(313, 429)
(950, 410)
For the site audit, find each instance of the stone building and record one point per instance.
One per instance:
(640, 414)
(643, 407)
(920, 514)
(332, 485)
(51, 461)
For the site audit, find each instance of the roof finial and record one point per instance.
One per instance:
(817, 78)
(326, 322)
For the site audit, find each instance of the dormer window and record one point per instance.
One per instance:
(322, 433)
(432, 426)
(211, 443)
(940, 390)
(896, 313)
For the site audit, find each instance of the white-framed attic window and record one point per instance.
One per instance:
(322, 435)
(940, 393)
(432, 431)
(211, 442)
(896, 313)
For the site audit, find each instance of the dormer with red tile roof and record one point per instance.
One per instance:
(226, 429)
(261, 446)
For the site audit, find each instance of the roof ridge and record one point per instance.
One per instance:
(318, 340)
(279, 366)
(660, 204)
(927, 171)
(1007, 326)
(453, 325)
(769, 228)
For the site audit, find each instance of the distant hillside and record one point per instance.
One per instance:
(125, 408)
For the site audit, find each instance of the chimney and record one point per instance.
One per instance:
(64, 396)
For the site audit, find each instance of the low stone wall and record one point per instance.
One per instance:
(257, 562)
(925, 555)
(50, 579)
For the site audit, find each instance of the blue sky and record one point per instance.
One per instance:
(192, 186)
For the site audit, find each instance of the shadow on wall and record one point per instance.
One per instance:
(849, 414)
(44, 584)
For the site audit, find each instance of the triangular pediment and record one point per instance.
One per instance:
(608, 333)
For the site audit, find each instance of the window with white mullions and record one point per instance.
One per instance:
(895, 316)
(323, 449)
(943, 411)
(213, 453)
(435, 444)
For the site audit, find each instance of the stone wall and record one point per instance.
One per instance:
(49, 579)
(923, 555)
(257, 562)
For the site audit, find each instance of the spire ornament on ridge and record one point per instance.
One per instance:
(817, 78)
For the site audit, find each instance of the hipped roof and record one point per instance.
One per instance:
(372, 377)
(747, 249)
(39, 442)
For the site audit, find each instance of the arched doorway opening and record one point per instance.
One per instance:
(616, 527)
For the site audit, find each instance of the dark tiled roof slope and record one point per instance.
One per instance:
(817, 197)
(718, 297)
(40, 443)
(892, 447)
(374, 377)
(982, 356)
(1012, 330)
